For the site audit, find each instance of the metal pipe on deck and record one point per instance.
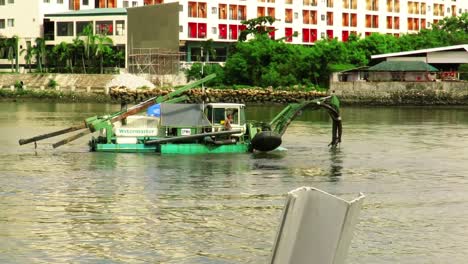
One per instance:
(197, 136)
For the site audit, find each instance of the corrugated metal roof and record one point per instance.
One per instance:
(91, 12)
(403, 66)
(414, 52)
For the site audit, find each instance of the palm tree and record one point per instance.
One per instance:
(89, 41)
(79, 49)
(14, 42)
(207, 47)
(102, 46)
(40, 51)
(10, 54)
(29, 54)
(64, 52)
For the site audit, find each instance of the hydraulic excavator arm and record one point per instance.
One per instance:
(331, 104)
(270, 136)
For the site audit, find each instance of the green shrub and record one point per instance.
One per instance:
(52, 84)
(19, 85)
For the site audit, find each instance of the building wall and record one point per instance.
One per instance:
(405, 76)
(154, 26)
(28, 21)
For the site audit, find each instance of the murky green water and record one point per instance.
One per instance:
(72, 206)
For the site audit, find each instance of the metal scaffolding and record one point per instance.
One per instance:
(154, 61)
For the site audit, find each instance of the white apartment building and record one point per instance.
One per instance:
(313, 19)
(25, 18)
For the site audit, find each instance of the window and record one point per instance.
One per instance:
(345, 4)
(81, 25)
(11, 22)
(214, 10)
(372, 21)
(372, 5)
(125, 4)
(260, 11)
(59, 1)
(196, 30)
(85, 2)
(233, 12)
(222, 31)
(271, 12)
(288, 16)
(64, 29)
(2, 23)
(11, 1)
(242, 13)
(222, 11)
(104, 27)
(2, 2)
(329, 18)
(196, 9)
(288, 33)
(134, 3)
(181, 29)
(46, 1)
(120, 27)
(213, 30)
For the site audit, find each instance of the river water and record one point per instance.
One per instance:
(69, 205)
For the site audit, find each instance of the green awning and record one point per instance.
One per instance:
(403, 66)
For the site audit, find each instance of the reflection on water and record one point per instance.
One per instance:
(72, 206)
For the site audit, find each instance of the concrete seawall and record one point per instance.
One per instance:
(402, 93)
(64, 82)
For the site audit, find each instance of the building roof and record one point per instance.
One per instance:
(91, 12)
(356, 69)
(415, 52)
(403, 66)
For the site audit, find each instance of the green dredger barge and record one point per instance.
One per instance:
(164, 125)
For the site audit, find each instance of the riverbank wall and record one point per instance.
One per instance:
(95, 87)
(260, 95)
(401, 93)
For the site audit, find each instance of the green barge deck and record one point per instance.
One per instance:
(173, 148)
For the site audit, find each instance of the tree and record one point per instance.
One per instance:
(14, 43)
(102, 47)
(208, 50)
(40, 51)
(11, 53)
(63, 52)
(79, 50)
(29, 52)
(88, 42)
(256, 26)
